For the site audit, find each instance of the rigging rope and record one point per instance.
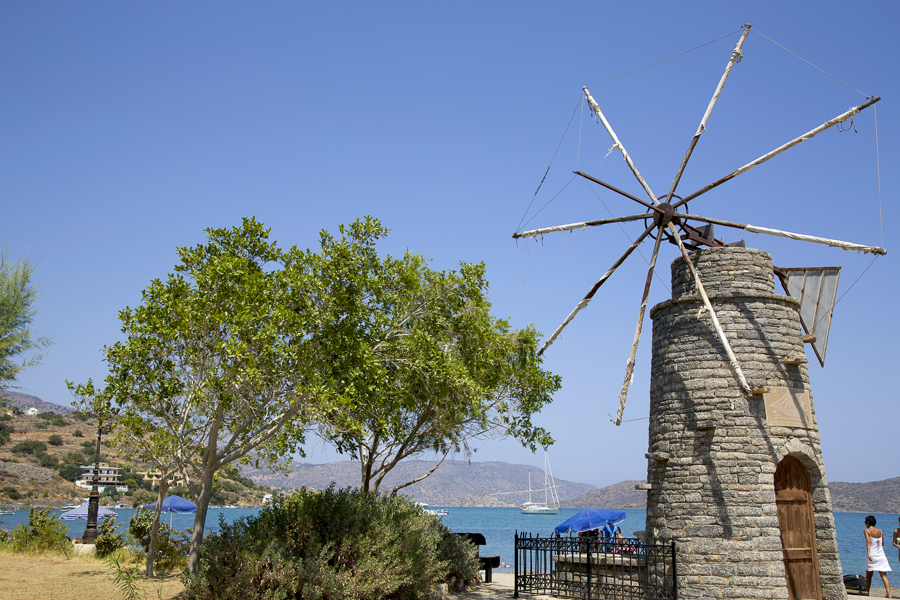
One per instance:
(548, 167)
(665, 59)
(810, 64)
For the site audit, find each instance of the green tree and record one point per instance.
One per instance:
(428, 369)
(19, 348)
(223, 358)
(69, 472)
(55, 440)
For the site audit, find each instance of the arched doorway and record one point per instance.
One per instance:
(793, 499)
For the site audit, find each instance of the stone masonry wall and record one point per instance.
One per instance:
(712, 455)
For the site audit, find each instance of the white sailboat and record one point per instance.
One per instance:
(551, 499)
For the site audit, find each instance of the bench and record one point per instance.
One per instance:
(487, 562)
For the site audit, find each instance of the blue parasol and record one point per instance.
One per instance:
(591, 518)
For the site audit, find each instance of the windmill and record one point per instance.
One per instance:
(813, 287)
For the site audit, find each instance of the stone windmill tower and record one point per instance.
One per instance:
(735, 470)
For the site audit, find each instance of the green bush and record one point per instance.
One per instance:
(168, 541)
(41, 426)
(323, 545)
(47, 460)
(461, 557)
(108, 541)
(69, 472)
(43, 532)
(89, 447)
(5, 430)
(77, 433)
(55, 440)
(11, 492)
(31, 447)
(75, 458)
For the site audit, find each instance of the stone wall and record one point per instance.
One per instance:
(712, 450)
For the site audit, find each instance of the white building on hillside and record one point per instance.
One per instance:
(32, 411)
(109, 477)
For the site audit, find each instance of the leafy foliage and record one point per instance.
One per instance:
(5, 431)
(29, 447)
(47, 460)
(69, 472)
(108, 540)
(424, 367)
(323, 545)
(55, 440)
(19, 349)
(77, 433)
(43, 532)
(169, 540)
(461, 557)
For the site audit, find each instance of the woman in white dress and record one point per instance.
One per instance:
(875, 557)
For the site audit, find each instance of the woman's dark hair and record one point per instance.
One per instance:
(870, 521)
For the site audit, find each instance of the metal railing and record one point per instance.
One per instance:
(595, 568)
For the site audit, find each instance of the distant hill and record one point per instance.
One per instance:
(875, 496)
(618, 495)
(24, 401)
(455, 483)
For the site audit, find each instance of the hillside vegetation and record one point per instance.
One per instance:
(40, 458)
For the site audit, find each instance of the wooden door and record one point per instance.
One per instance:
(793, 499)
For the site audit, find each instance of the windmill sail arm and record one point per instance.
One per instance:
(735, 58)
(587, 299)
(787, 234)
(732, 359)
(582, 225)
(808, 135)
(629, 366)
(618, 145)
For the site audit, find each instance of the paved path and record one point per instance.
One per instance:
(502, 587)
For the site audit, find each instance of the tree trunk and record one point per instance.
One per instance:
(206, 489)
(154, 530)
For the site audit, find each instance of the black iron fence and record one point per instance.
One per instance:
(595, 568)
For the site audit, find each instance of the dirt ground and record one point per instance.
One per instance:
(24, 577)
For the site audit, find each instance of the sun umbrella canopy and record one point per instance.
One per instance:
(82, 513)
(175, 504)
(591, 518)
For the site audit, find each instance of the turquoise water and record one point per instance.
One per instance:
(498, 525)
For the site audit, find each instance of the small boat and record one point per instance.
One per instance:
(551, 499)
(7, 512)
(430, 511)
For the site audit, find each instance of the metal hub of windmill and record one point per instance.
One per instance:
(676, 228)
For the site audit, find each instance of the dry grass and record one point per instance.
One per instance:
(53, 577)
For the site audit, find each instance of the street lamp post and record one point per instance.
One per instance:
(90, 532)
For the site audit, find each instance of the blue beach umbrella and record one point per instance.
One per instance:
(175, 504)
(82, 513)
(591, 518)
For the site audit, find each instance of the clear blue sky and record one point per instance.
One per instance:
(128, 128)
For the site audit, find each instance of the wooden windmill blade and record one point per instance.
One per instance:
(664, 219)
(816, 289)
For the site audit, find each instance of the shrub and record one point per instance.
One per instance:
(41, 426)
(69, 472)
(323, 545)
(461, 557)
(168, 542)
(31, 447)
(5, 430)
(47, 460)
(11, 492)
(89, 447)
(75, 458)
(78, 433)
(108, 541)
(43, 532)
(55, 440)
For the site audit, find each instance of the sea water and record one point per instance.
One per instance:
(499, 525)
